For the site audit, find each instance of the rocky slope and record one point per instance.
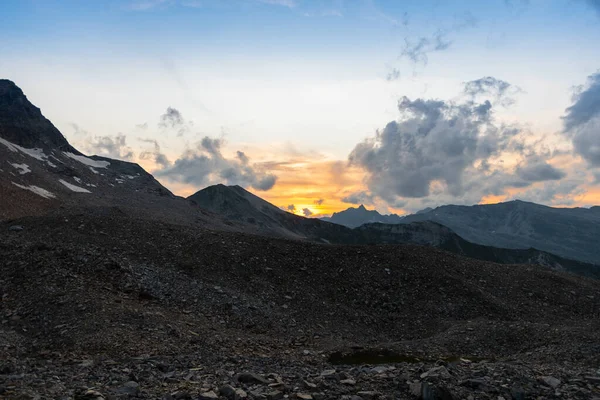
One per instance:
(99, 306)
(429, 233)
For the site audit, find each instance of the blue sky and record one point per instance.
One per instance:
(287, 80)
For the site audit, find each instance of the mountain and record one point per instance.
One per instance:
(428, 233)
(111, 287)
(239, 205)
(568, 232)
(41, 172)
(23, 124)
(353, 217)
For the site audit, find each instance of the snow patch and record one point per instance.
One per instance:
(78, 180)
(23, 168)
(38, 154)
(93, 170)
(74, 188)
(37, 190)
(87, 161)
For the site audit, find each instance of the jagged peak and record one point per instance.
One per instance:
(22, 123)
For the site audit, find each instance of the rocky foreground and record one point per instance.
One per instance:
(97, 305)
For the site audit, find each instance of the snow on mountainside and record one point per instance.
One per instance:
(40, 172)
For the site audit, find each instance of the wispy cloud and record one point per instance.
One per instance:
(145, 5)
(284, 3)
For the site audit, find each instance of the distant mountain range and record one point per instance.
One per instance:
(353, 217)
(41, 172)
(569, 232)
(241, 206)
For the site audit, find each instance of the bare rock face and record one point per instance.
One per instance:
(22, 123)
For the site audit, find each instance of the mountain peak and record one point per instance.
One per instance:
(22, 123)
(361, 207)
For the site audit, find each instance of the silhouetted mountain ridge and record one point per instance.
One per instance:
(353, 217)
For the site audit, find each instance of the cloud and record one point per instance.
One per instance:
(284, 3)
(393, 75)
(553, 193)
(582, 120)
(110, 146)
(360, 197)
(172, 118)
(440, 148)
(149, 5)
(291, 208)
(205, 164)
(418, 49)
(145, 5)
(319, 201)
(501, 92)
(155, 155)
(539, 170)
(307, 212)
(77, 130)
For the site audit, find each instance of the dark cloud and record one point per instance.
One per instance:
(172, 118)
(554, 193)
(501, 92)
(206, 165)
(358, 198)
(291, 208)
(596, 177)
(110, 146)
(155, 155)
(319, 201)
(143, 126)
(437, 148)
(307, 212)
(582, 120)
(539, 170)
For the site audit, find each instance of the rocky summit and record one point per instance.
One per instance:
(111, 287)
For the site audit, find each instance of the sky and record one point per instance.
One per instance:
(320, 105)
